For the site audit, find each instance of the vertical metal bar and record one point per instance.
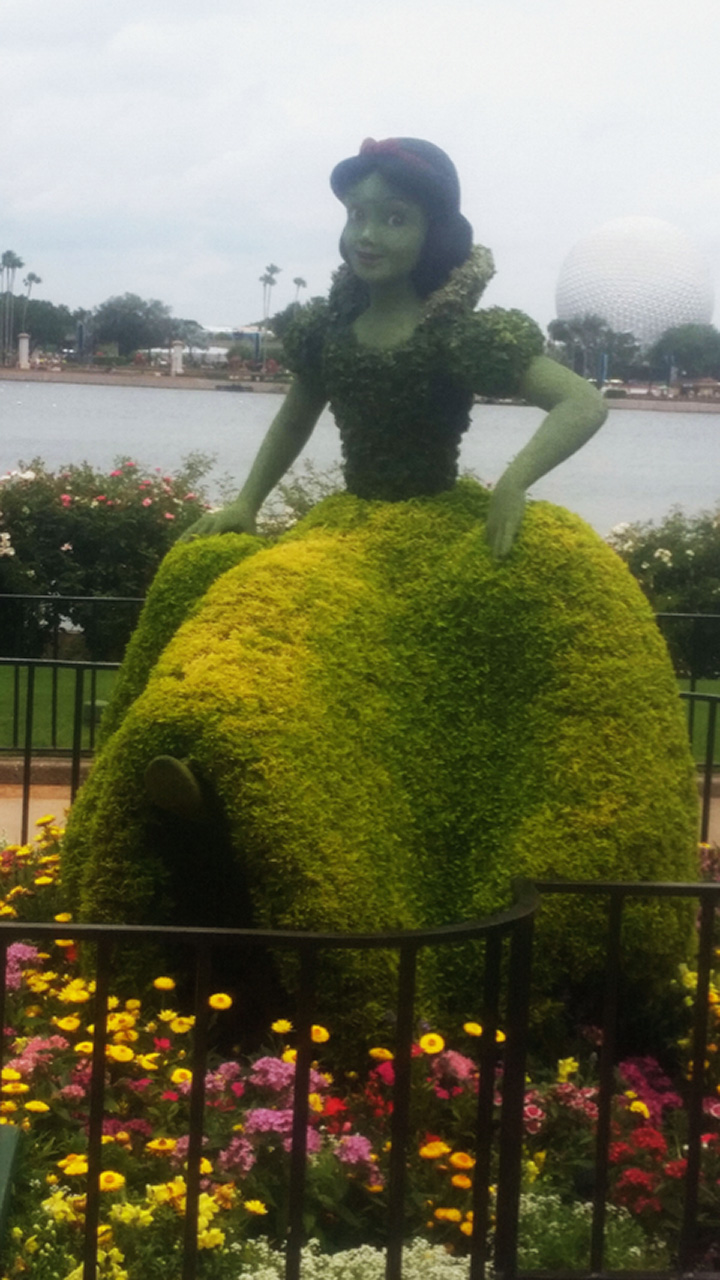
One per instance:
(197, 1109)
(708, 770)
(27, 753)
(697, 1080)
(486, 1097)
(605, 1084)
(97, 1091)
(55, 653)
(93, 707)
(298, 1152)
(400, 1124)
(77, 733)
(16, 705)
(513, 1100)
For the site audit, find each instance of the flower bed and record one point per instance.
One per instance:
(243, 1213)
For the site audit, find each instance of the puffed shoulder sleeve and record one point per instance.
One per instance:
(491, 349)
(304, 341)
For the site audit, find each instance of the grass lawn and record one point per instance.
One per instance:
(698, 718)
(54, 707)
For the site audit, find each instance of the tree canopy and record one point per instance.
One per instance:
(693, 349)
(133, 322)
(591, 348)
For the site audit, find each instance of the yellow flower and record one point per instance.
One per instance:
(220, 1000)
(121, 1021)
(9, 1073)
(434, 1150)
(289, 1055)
(181, 1075)
(71, 1023)
(640, 1108)
(110, 1180)
(63, 917)
(45, 821)
(7, 1106)
(84, 1046)
(315, 1101)
(472, 1028)
(74, 1167)
(211, 1238)
(7, 910)
(461, 1160)
(448, 1215)
(319, 1034)
(466, 1228)
(382, 1055)
(147, 1061)
(566, 1067)
(36, 1105)
(161, 1146)
(119, 1052)
(133, 1006)
(461, 1180)
(164, 984)
(255, 1206)
(42, 880)
(281, 1026)
(64, 942)
(167, 1015)
(181, 1025)
(15, 1086)
(431, 1043)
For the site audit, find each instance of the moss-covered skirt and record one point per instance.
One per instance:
(393, 727)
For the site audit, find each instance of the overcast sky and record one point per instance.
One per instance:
(175, 149)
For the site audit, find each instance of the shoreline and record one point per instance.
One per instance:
(186, 382)
(159, 381)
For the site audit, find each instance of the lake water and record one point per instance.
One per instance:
(636, 468)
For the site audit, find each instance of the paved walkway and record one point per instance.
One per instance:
(55, 798)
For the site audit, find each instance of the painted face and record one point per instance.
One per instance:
(385, 231)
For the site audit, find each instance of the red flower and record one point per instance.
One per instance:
(647, 1139)
(619, 1151)
(675, 1168)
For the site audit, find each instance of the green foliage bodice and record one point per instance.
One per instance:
(402, 411)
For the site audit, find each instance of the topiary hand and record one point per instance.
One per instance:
(505, 514)
(237, 517)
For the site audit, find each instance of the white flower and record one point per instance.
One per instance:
(663, 554)
(618, 529)
(66, 546)
(5, 548)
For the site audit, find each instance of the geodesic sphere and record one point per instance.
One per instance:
(640, 275)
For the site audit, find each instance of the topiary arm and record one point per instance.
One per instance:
(289, 431)
(575, 411)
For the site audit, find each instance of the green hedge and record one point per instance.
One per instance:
(396, 726)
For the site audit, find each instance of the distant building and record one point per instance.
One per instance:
(640, 275)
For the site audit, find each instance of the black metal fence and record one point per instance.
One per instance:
(506, 941)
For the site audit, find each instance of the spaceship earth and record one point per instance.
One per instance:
(641, 275)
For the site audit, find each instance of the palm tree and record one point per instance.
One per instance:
(299, 284)
(10, 264)
(267, 281)
(29, 281)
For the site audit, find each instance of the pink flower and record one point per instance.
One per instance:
(353, 1148)
(169, 515)
(116, 473)
(20, 955)
(66, 499)
(147, 502)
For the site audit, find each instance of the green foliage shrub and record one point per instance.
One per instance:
(677, 564)
(79, 531)
(396, 726)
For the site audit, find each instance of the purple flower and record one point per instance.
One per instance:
(353, 1148)
(20, 955)
(239, 1157)
(267, 1120)
(272, 1073)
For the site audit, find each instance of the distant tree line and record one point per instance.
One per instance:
(594, 350)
